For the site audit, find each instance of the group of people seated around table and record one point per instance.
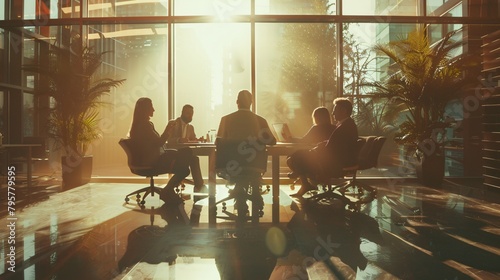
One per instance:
(335, 144)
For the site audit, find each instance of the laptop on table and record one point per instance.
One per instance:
(282, 132)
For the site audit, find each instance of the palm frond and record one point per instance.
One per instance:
(424, 80)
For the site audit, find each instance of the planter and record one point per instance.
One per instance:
(430, 169)
(76, 171)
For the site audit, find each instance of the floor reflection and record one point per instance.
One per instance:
(407, 232)
(324, 229)
(233, 253)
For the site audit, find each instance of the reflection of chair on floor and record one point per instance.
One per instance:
(141, 170)
(346, 229)
(242, 166)
(369, 150)
(153, 244)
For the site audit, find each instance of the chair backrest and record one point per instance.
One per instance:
(134, 158)
(369, 153)
(235, 159)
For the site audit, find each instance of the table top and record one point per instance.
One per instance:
(19, 145)
(211, 144)
(279, 149)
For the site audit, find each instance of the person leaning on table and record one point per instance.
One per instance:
(321, 129)
(328, 157)
(183, 132)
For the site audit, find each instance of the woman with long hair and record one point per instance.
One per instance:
(321, 129)
(152, 152)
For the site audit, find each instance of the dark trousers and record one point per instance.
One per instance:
(194, 165)
(314, 164)
(175, 162)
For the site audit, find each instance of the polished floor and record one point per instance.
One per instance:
(407, 232)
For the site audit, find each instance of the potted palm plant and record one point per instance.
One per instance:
(69, 76)
(424, 79)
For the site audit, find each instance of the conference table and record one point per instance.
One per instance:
(28, 148)
(275, 152)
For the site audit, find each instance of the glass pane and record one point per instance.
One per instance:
(359, 58)
(68, 9)
(137, 53)
(384, 7)
(2, 115)
(28, 114)
(442, 7)
(211, 65)
(29, 9)
(287, 7)
(295, 72)
(2, 10)
(47, 35)
(2, 54)
(438, 31)
(362, 65)
(127, 8)
(28, 50)
(2, 42)
(454, 152)
(223, 9)
(45, 9)
(40, 9)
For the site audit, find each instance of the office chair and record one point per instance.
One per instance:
(148, 171)
(243, 166)
(352, 192)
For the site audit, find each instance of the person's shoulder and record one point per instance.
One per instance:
(229, 115)
(261, 118)
(351, 121)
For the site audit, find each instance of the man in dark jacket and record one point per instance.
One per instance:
(328, 158)
(241, 156)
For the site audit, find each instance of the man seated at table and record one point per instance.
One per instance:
(244, 124)
(250, 134)
(183, 129)
(183, 132)
(329, 157)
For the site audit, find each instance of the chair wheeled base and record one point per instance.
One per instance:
(141, 200)
(351, 192)
(151, 190)
(150, 172)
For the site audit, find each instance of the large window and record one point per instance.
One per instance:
(293, 55)
(381, 7)
(222, 9)
(211, 64)
(137, 53)
(295, 71)
(129, 8)
(296, 7)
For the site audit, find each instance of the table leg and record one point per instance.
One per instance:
(276, 188)
(29, 161)
(212, 213)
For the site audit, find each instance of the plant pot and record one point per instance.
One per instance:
(76, 171)
(430, 169)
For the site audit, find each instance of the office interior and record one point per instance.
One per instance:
(293, 56)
